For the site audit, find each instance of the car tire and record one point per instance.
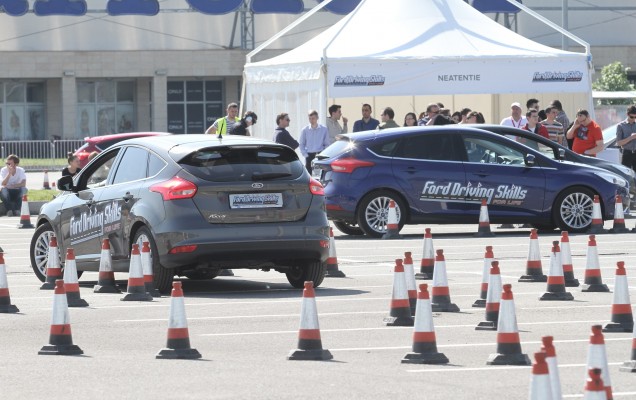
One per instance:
(162, 277)
(572, 210)
(348, 228)
(202, 274)
(39, 250)
(311, 271)
(373, 212)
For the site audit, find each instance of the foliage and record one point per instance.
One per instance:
(614, 79)
(41, 195)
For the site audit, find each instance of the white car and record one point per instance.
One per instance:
(612, 151)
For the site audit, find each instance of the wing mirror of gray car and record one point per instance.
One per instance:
(65, 183)
(529, 160)
(561, 154)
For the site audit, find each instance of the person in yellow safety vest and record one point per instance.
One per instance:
(224, 125)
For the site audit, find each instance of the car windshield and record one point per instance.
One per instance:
(238, 163)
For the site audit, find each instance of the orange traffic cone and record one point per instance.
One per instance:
(5, 298)
(553, 366)
(619, 216)
(597, 217)
(71, 284)
(566, 261)
(106, 277)
(534, 270)
(178, 344)
(309, 342)
(25, 215)
(597, 358)
(593, 279)
(630, 365)
(60, 338)
(428, 257)
(45, 184)
(146, 267)
(484, 221)
(485, 276)
(540, 382)
(411, 285)
(556, 282)
(508, 342)
(53, 270)
(622, 317)
(594, 386)
(424, 341)
(136, 290)
(441, 301)
(392, 226)
(400, 313)
(493, 299)
(332, 260)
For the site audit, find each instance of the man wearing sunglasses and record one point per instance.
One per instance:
(12, 185)
(587, 135)
(626, 138)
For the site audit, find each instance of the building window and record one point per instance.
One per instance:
(22, 111)
(193, 105)
(105, 107)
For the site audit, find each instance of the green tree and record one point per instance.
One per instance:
(613, 79)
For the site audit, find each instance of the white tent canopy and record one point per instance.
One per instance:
(409, 48)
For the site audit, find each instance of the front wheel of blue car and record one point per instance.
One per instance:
(572, 209)
(373, 212)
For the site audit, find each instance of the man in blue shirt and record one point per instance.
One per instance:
(366, 123)
(314, 138)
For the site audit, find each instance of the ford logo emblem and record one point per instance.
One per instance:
(257, 185)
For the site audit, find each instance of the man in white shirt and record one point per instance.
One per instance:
(314, 138)
(12, 185)
(516, 120)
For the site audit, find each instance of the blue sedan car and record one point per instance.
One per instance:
(441, 174)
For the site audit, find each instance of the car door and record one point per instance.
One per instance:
(81, 219)
(428, 168)
(496, 170)
(116, 203)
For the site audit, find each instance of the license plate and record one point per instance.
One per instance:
(256, 200)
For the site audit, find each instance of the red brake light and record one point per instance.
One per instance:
(316, 188)
(175, 188)
(348, 165)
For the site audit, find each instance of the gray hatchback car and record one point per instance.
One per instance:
(203, 203)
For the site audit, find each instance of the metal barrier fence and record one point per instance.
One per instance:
(40, 155)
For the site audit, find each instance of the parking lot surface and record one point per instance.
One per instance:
(246, 325)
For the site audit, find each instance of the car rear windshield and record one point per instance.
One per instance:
(243, 163)
(335, 149)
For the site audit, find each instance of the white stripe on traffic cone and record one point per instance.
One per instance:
(71, 283)
(566, 261)
(178, 343)
(60, 338)
(428, 257)
(136, 290)
(597, 357)
(485, 277)
(309, 342)
(5, 298)
(393, 223)
(619, 216)
(106, 277)
(332, 260)
(508, 342)
(25, 214)
(441, 301)
(594, 386)
(540, 382)
(146, 267)
(411, 285)
(493, 300)
(553, 366)
(622, 317)
(53, 270)
(400, 313)
(556, 281)
(534, 269)
(630, 365)
(483, 229)
(597, 217)
(593, 279)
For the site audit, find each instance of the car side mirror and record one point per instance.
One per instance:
(529, 159)
(65, 183)
(561, 154)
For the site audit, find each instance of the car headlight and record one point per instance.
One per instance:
(626, 170)
(612, 178)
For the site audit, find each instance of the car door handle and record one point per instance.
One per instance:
(127, 197)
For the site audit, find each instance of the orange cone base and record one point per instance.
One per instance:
(106, 289)
(444, 307)
(595, 287)
(572, 283)
(424, 276)
(533, 278)
(391, 234)
(61, 350)
(553, 296)
(310, 355)
(399, 321)
(486, 326)
(627, 326)
(226, 272)
(8, 309)
(629, 366)
(178, 354)
(481, 303)
(425, 358)
(335, 273)
(508, 359)
(137, 297)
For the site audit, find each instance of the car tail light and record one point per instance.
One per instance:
(348, 165)
(175, 188)
(316, 188)
(183, 249)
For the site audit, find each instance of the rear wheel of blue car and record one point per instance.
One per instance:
(373, 212)
(348, 228)
(572, 209)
